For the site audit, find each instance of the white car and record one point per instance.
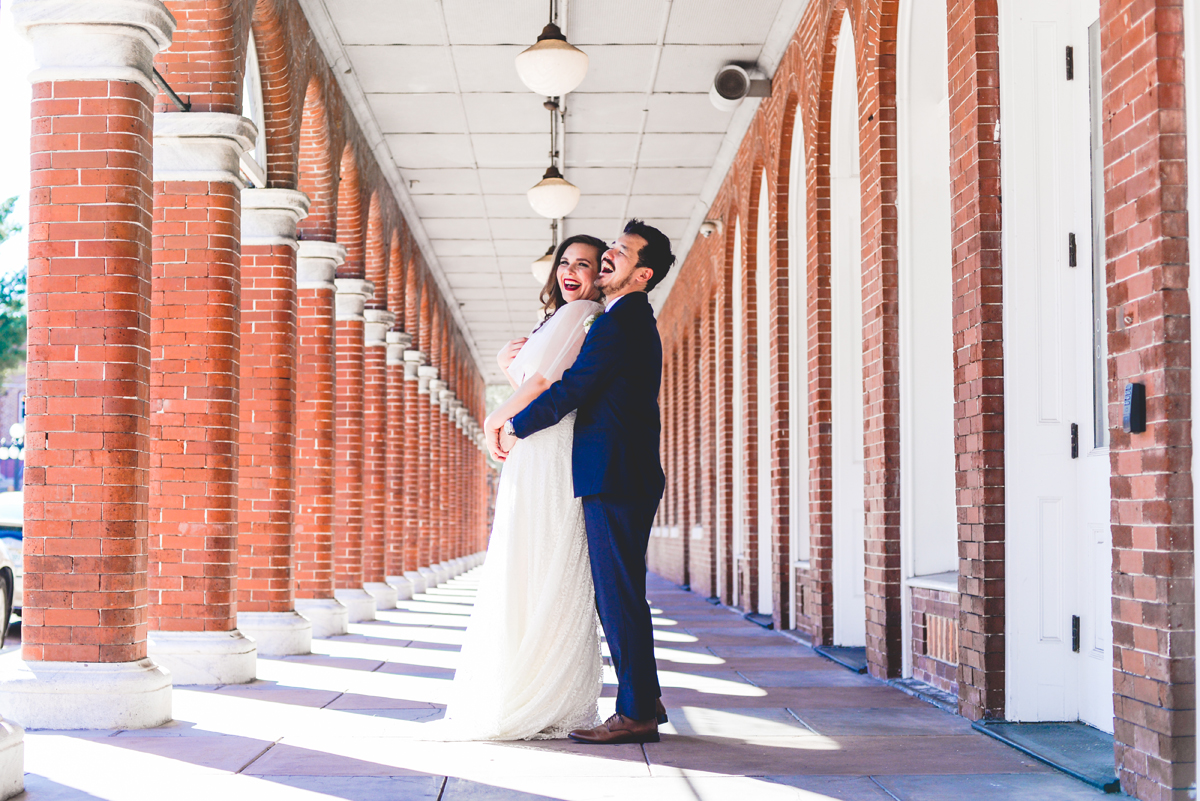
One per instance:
(12, 527)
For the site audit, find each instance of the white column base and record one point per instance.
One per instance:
(85, 695)
(12, 759)
(277, 633)
(385, 595)
(359, 603)
(329, 616)
(443, 572)
(431, 578)
(403, 587)
(460, 565)
(417, 579)
(204, 657)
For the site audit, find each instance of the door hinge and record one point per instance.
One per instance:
(1072, 252)
(1074, 440)
(1075, 633)
(1070, 63)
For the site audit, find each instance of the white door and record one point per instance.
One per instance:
(849, 511)
(1058, 551)
(762, 287)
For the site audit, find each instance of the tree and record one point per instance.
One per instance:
(13, 325)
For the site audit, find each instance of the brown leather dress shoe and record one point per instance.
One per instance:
(618, 729)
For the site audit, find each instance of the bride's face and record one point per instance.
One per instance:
(577, 272)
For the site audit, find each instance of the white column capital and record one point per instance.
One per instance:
(95, 40)
(378, 323)
(445, 397)
(201, 146)
(413, 359)
(270, 216)
(436, 386)
(352, 294)
(397, 343)
(317, 263)
(426, 373)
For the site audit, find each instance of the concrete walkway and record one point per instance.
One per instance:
(753, 716)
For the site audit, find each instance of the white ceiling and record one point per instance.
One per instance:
(435, 82)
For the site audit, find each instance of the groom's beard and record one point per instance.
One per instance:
(612, 289)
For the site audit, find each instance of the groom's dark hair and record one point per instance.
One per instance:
(655, 254)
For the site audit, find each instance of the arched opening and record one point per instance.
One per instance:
(849, 574)
(797, 223)
(764, 566)
(254, 163)
(928, 515)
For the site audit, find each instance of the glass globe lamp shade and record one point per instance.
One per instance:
(541, 268)
(552, 67)
(553, 196)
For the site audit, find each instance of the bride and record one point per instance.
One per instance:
(530, 662)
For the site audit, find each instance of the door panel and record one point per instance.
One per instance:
(1056, 465)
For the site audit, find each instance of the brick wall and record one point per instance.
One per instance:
(87, 424)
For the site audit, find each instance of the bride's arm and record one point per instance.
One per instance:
(534, 386)
(505, 358)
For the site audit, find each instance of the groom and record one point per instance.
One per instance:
(613, 385)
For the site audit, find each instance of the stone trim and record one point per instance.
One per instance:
(202, 146)
(95, 40)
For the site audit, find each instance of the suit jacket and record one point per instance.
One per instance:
(613, 385)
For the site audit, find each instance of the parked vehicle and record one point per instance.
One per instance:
(12, 528)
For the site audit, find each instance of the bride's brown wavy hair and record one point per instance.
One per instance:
(552, 297)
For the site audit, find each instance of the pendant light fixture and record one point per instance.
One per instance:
(542, 266)
(552, 67)
(553, 196)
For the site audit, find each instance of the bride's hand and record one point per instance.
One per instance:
(509, 352)
(492, 435)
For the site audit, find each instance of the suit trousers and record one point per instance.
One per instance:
(618, 533)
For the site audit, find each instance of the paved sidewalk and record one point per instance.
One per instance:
(753, 716)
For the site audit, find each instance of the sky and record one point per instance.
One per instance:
(16, 62)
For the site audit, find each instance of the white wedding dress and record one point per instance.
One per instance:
(530, 663)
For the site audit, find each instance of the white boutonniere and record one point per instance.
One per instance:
(587, 324)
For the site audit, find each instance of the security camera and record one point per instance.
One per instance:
(709, 227)
(733, 84)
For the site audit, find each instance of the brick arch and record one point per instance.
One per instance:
(414, 298)
(350, 230)
(277, 70)
(376, 254)
(207, 57)
(316, 162)
(396, 279)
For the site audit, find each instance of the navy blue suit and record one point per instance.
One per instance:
(613, 388)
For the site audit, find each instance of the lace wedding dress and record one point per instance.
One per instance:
(530, 662)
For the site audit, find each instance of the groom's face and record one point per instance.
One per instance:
(619, 268)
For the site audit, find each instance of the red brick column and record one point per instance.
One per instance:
(438, 480)
(426, 374)
(313, 459)
(266, 512)
(414, 469)
(195, 347)
(1150, 265)
(348, 456)
(395, 521)
(979, 355)
(375, 429)
(87, 430)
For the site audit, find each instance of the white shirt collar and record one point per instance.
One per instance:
(609, 304)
